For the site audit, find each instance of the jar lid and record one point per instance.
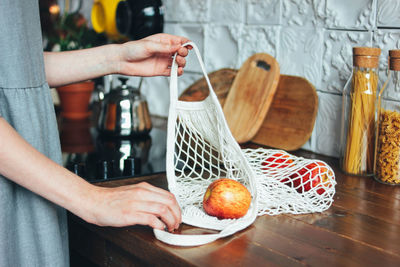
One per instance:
(394, 53)
(366, 57)
(394, 59)
(366, 51)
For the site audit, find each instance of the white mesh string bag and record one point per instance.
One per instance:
(290, 184)
(201, 149)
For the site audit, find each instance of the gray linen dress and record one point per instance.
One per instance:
(33, 231)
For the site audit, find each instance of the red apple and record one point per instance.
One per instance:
(226, 199)
(313, 175)
(277, 160)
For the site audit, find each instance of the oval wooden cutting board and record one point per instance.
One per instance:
(291, 117)
(250, 96)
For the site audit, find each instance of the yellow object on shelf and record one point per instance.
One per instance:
(103, 18)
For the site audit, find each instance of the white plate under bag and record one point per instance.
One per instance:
(201, 149)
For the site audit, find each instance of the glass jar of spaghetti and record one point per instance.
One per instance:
(387, 161)
(358, 118)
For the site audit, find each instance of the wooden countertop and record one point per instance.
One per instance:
(361, 228)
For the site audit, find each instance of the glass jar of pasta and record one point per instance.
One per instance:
(387, 161)
(357, 149)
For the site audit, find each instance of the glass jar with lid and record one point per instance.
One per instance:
(357, 146)
(387, 161)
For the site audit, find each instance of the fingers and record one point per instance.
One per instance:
(180, 58)
(158, 202)
(184, 40)
(159, 211)
(181, 61)
(168, 38)
(183, 51)
(168, 49)
(150, 220)
(180, 71)
(167, 72)
(174, 47)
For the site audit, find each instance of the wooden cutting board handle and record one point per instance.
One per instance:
(251, 95)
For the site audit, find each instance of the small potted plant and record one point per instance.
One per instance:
(70, 32)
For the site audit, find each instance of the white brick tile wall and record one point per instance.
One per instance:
(258, 39)
(227, 11)
(327, 127)
(313, 39)
(354, 14)
(186, 10)
(337, 57)
(307, 14)
(157, 93)
(300, 52)
(263, 12)
(388, 13)
(221, 47)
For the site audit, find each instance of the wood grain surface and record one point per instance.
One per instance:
(291, 117)
(221, 80)
(361, 228)
(251, 95)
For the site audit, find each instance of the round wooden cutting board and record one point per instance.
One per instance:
(221, 81)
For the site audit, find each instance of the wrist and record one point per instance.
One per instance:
(84, 204)
(114, 58)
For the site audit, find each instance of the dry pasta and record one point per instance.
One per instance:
(359, 150)
(388, 147)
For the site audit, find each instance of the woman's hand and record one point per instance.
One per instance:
(121, 206)
(134, 204)
(152, 56)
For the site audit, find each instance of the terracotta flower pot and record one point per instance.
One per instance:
(74, 99)
(75, 136)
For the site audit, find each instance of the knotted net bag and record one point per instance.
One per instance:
(201, 149)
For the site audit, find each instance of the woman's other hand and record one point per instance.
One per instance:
(133, 204)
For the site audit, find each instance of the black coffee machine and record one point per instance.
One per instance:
(137, 19)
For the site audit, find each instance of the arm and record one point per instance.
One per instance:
(122, 206)
(79, 65)
(127, 205)
(150, 56)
